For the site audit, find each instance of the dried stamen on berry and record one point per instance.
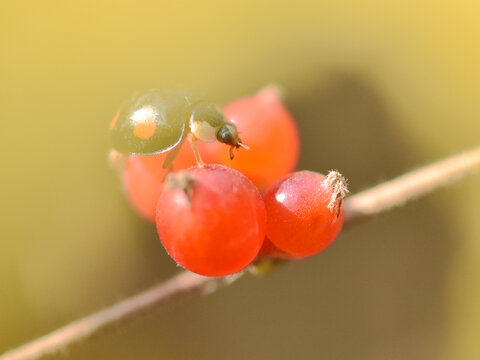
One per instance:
(339, 187)
(182, 181)
(300, 221)
(272, 92)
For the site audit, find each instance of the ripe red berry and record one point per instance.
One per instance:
(143, 176)
(211, 220)
(268, 250)
(305, 212)
(142, 183)
(269, 130)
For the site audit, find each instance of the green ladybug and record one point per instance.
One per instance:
(160, 120)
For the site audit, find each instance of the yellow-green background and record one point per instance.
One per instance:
(378, 87)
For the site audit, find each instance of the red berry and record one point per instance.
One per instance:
(305, 212)
(143, 176)
(143, 183)
(268, 128)
(268, 250)
(211, 220)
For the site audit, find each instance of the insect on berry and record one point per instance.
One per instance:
(305, 212)
(159, 120)
(211, 220)
(267, 126)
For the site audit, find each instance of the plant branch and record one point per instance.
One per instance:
(183, 284)
(369, 202)
(410, 186)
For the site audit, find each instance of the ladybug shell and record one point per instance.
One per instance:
(152, 122)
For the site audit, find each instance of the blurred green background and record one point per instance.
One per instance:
(378, 87)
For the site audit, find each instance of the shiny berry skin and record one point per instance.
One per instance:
(267, 127)
(305, 212)
(211, 220)
(142, 178)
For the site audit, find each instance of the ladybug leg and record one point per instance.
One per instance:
(191, 139)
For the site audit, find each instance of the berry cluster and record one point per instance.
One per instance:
(213, 219)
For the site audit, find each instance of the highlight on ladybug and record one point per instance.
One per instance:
(159, 120)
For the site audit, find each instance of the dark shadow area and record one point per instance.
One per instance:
(346, 124)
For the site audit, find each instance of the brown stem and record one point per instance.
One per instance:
(184, 284)
(407, 187)
(369, 202)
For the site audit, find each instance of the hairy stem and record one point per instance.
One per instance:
(369, 202)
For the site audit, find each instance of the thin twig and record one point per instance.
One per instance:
(369, 202)
(181, 285)
(407, 187)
